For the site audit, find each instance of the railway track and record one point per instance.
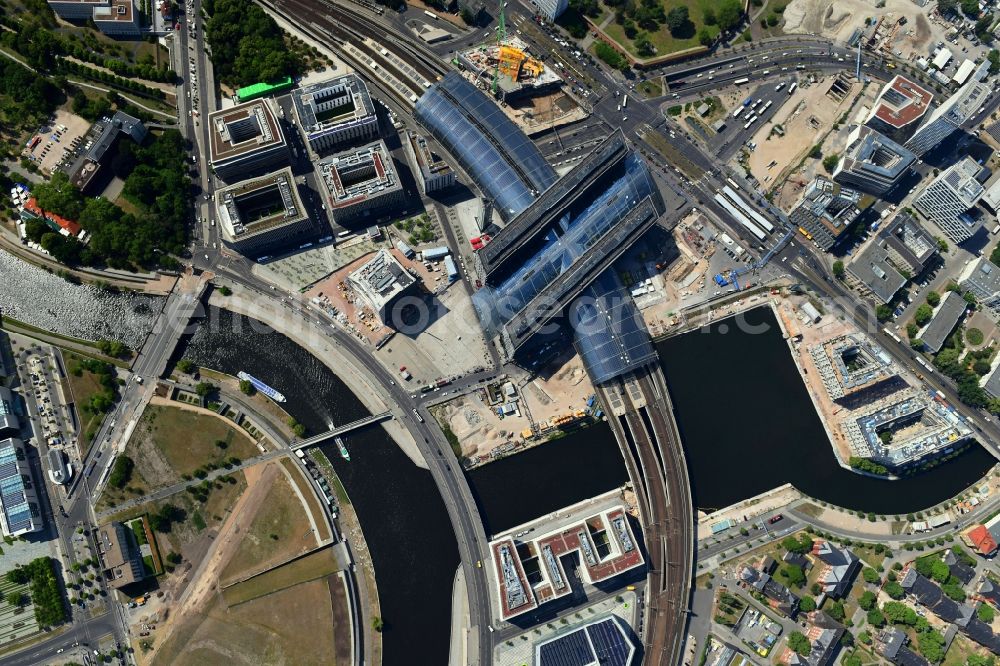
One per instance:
(651, 446)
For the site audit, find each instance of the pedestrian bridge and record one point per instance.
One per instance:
(315, 440)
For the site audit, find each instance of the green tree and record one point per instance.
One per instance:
(801, 545)
(974, 336)
(912, 330)
(377, 623)
(730, 14)
(816, 152)
(899, 613)
(867, 600)
(875, 618)
(923, 314)
(678, 20)
(838, 269)
(985, 612)
(807, 604)
(799, 643)
(835, 609)
(894, 590)
(994, 58)
(204, 388)
(933, 298)
(883, 312)
(705, 37)
(247, 387)
(186, 366)
(931, 645)
(870, 575)
(121, 472)
(709, 17)
(794, 575)
(942, 244)
(17, 598)
(830, 162)
(643, 45)
(971, 9)
(946, 7)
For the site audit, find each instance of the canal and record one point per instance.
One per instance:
(748, 425)
(404, 520)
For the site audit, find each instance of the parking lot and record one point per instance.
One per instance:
(758, 631)
(55, 142)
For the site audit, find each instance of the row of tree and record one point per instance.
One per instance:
(46, 592)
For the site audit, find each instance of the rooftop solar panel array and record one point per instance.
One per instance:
(600, 643)
(12, 490)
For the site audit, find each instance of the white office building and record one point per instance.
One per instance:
(335, 113)
(947, 200)
(551, 8)
(950, 116)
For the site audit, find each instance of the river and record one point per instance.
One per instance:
(404, 520)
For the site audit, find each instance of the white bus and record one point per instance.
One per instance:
(767, 105)
(344, 234)
(792, 88)
(738, 111)
(431, 14)
(996, 230)
(733, 183)
(740, 82)
(624, 101)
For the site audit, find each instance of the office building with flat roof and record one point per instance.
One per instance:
(854, 370)
(952, 114)
(921, 427)
(946, 316)
(100, 142)
(19, 509)
(9, 423)
(872, 163)
(982, 278)
(531, 571)
(335, 113)
(260, 214)
(246, 140)
(120, 18)
(380, 283)
(899, 109)
(115, 18)
(551, 9)
(827, 210)
(121, 561)
(873, 272)
(600, 642)
(362, 184)
(432, 172)
(911, 249)
(947, 199)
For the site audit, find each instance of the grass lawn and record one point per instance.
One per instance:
(83, 388)
(312, 566)
(651, 88)
(292, 626)
(187, 439)
(280, 530)
(959, 651)
(312, 501)
(662, 40)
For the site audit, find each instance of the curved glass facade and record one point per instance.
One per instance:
(495, 153)
(565, 244)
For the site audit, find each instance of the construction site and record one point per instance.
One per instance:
(871, 408)
(512, 414)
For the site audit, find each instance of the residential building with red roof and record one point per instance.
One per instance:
(980, 539)
(58, 224)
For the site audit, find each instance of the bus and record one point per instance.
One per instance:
(767, 105)
(740, 82)
(738, 111)
(792, 88)
(431, 14)
(624, 101)
(996, 230)
(733, 183)
(344, 234)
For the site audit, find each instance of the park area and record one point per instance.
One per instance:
(656, 28)
(171, 444)
(280, 531)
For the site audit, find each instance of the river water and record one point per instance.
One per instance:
(404, 520)
(748, 425)
(45, 300)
